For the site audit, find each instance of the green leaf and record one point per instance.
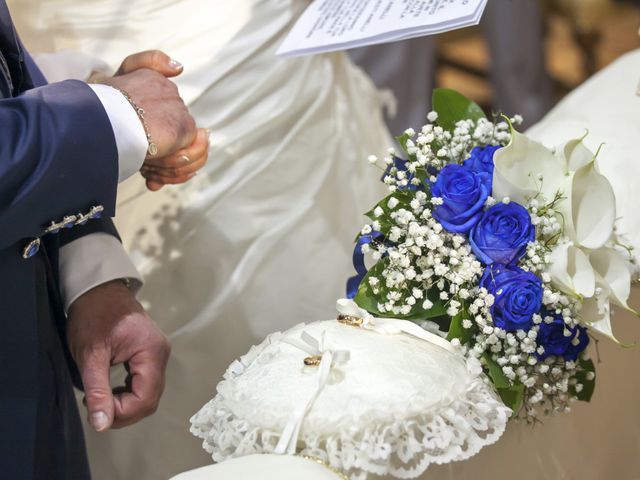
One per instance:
(511, 394)
(404, 198)
(588, 386)
(438, 309)
(452, 107)
(512, 397)
(456, 330)
(365, 298)
(423, 175)
(402, 141)
(495, 373)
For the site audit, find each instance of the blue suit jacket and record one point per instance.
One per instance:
(58, 158)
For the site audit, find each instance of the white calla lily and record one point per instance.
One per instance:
(596, 314)
(596, 311)
(574, 154)
(519, 166)
(580, 265)
(613, 271)
(571, 271)
(525, 168)
(588, 207)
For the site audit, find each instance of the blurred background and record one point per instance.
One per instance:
(523, 57)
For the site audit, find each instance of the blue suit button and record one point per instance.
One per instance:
(31, 249)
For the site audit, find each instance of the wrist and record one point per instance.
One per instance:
(152, 149)
(130, 137)
(123, 284)
(117, 286)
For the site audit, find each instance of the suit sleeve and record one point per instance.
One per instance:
(58, 155)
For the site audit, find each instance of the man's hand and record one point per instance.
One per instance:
(106, 327)
(170, 124)
(182, 164)
(179, 167)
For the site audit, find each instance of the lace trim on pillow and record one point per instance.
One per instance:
(404, 449)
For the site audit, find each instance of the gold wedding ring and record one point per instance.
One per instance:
(313, 361)
(320, 461)
(350, 320)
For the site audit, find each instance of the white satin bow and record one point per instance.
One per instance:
(390, 326)
(329, 358)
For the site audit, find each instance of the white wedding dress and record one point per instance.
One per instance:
(262, 239)
(598, 440)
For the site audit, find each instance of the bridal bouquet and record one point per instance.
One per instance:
(507, 247)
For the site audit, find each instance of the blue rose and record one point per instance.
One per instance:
(481, 159)
(552, 338)
(517, 296)
(463, 193)
(502, 234)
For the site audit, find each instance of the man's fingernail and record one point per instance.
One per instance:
(184, 159)
(99, 421)
(176, 65)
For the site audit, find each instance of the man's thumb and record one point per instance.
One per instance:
(153, 60)
(97, 389)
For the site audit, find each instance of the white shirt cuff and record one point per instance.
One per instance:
(131, 139)
(93, 260)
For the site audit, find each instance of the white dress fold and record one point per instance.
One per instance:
(262, 239)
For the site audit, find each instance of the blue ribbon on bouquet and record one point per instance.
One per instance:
(401, 165)
(358, 257)
(358, 262)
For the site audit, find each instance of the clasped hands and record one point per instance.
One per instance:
(182, 148)
(106, 326)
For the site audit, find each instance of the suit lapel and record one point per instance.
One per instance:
(12, 51)
(5, 19)
(6, 84)
(6, 31)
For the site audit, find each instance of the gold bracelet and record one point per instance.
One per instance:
(153, 147)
